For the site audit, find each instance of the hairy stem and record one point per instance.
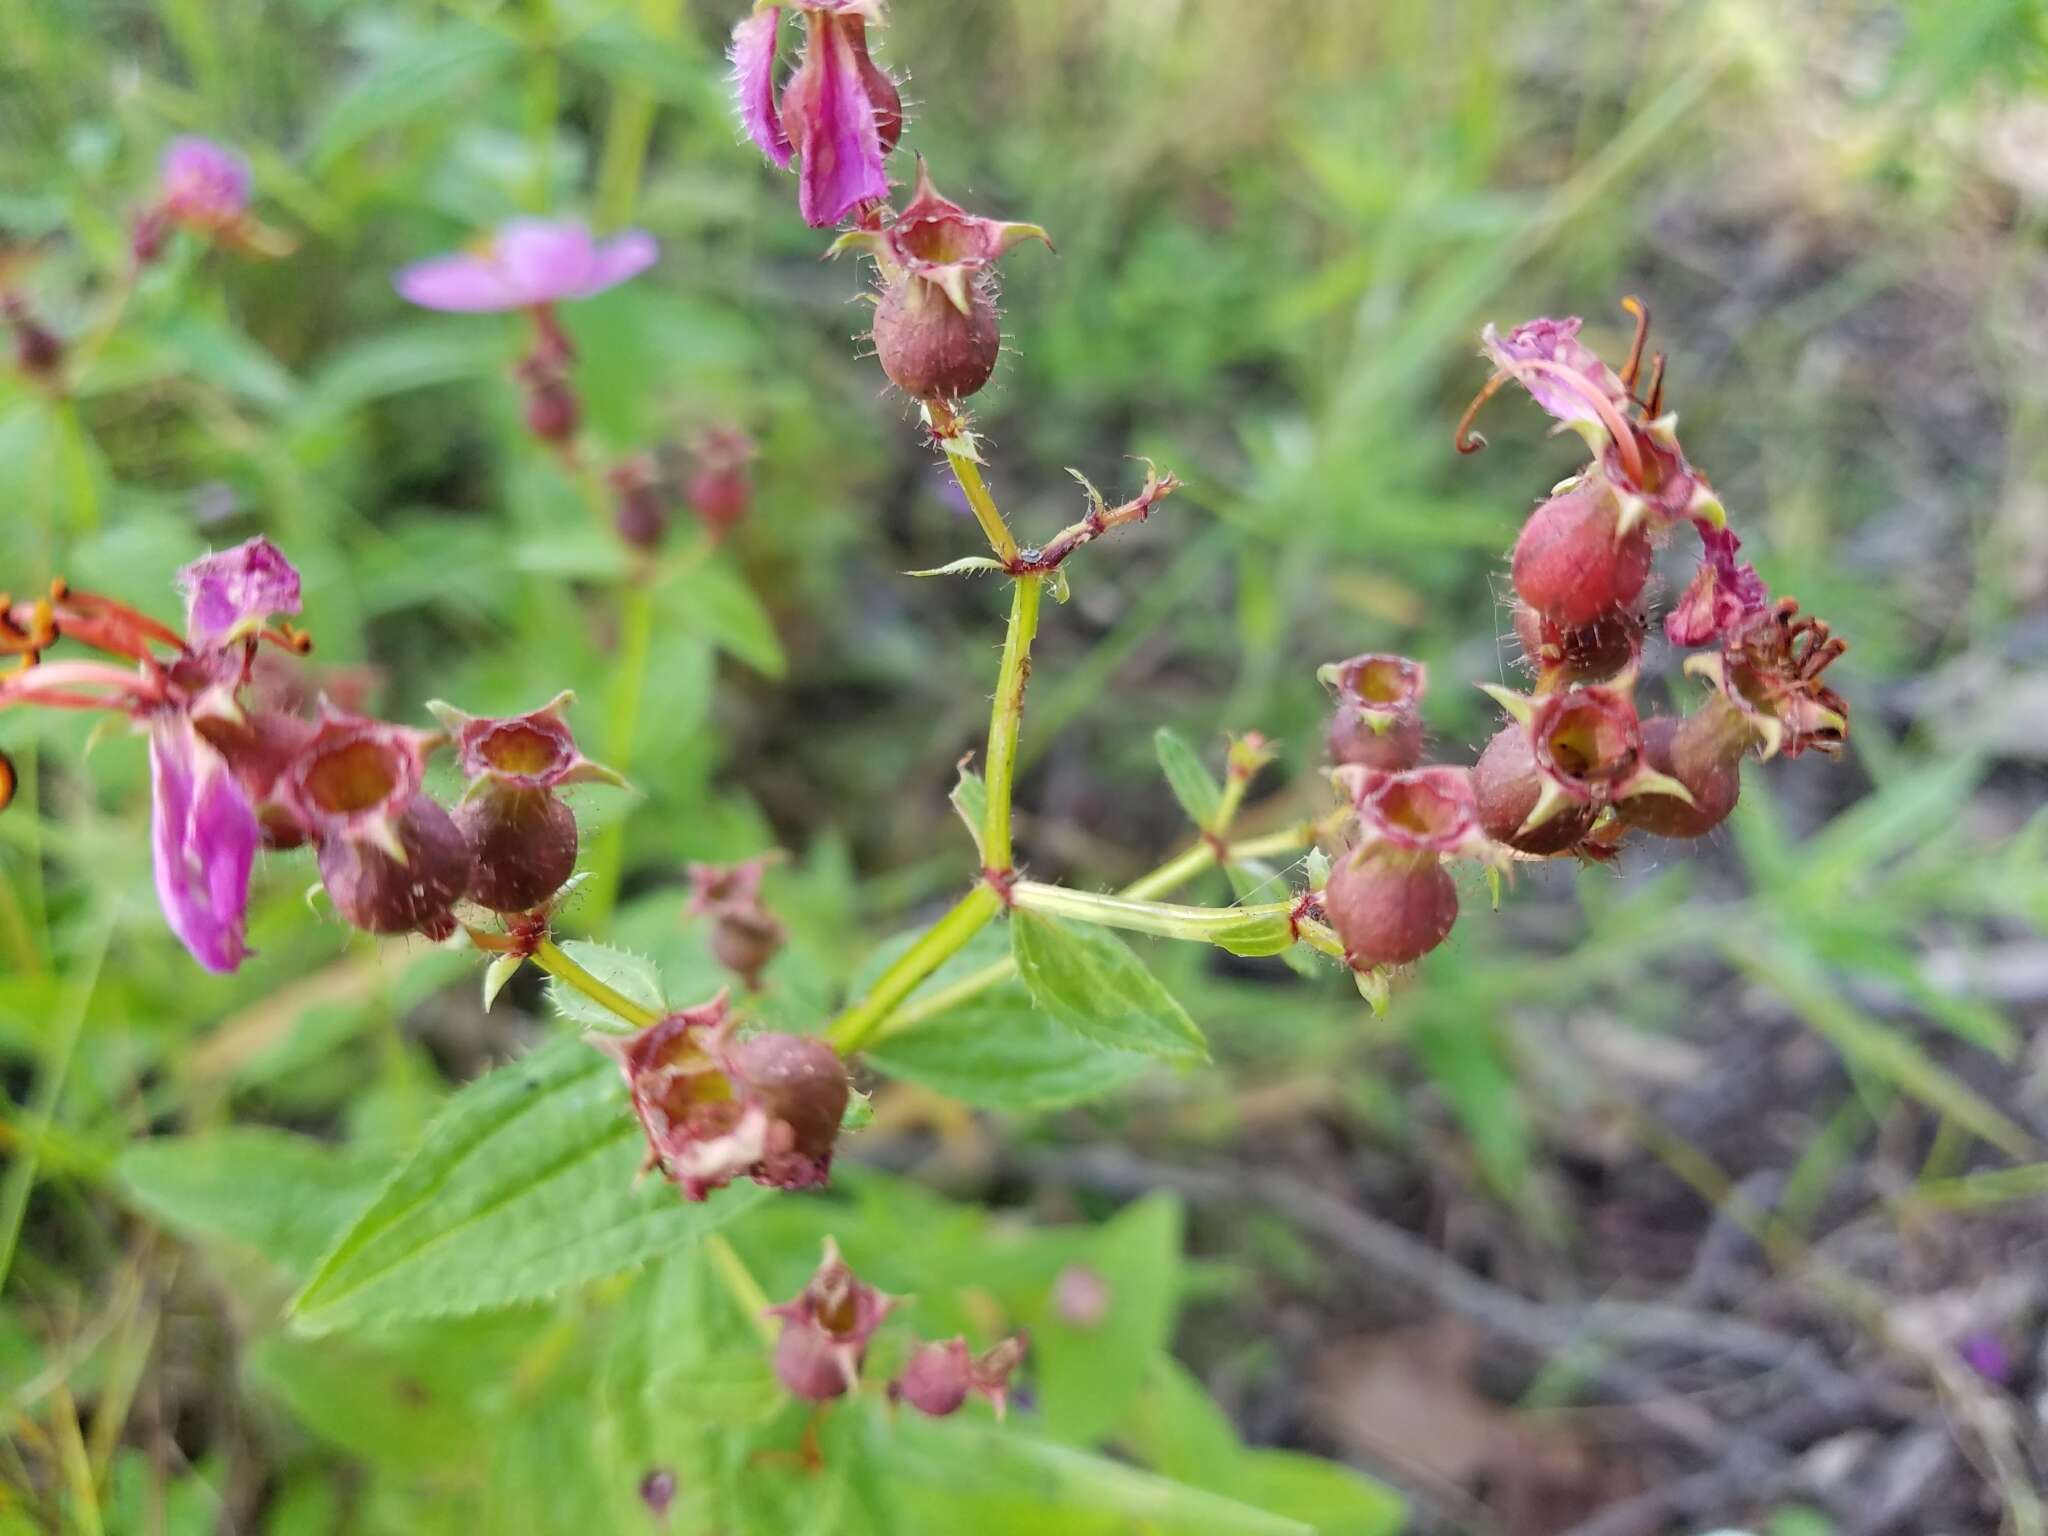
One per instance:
(549, 957)
(975, 489)
(1006, 721)
(944, 939)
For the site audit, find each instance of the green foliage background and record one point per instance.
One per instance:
(1280, 227)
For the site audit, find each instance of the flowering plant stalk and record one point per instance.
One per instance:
(242, 765)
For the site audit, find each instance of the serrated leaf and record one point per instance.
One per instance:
(525, 1185)
(999, 1051)
(970, 799)
(629, 975)
(285, 1196)
(711, 599)
(1198, 793)
(966, 565)
(1088, 980)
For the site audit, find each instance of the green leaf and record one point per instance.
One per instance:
(398, 362)
(285, 1196)
(970, 800)
(523, 1186)
(958, 1474)
(1331, 1500)
(415, 77)
(1091, 1378)
(711, 599)
(1089, 980)
(636, 978)
(1198, 793)
(999, 1051)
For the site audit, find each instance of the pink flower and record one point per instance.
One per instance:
(203, 185)
(1723, 597)
(1562, 374)
(530, 263)
(839, 113)
(204, 826)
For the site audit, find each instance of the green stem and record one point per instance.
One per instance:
(543, 106)
(1006, 720)
(630, 125)
(997, 532)
(1167, 877)
(622, 726)
(1161, 919)
(549, 957)
(939, 943)
(741, 1285)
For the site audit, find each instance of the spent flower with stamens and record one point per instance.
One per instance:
(715, 1109)
(1771, 670)
(825, 1330)
(183, 691)
(839, 115)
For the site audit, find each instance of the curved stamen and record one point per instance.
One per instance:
(1465, 440)
(287, 637)
(1655, 404)
(1629, 369)
(55, 683)
(1617, 425)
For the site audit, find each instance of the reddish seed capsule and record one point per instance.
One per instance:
(1507, 784)
(381, 894)
(935, 1381)
(930, 349)
(1378, 720)
(1572, 562)
(801, 1082)
(552, 410)
(809, 1364)
(524, 843)
(1695, 752)
(1390, 905)
(1589, 653)
(744, 941)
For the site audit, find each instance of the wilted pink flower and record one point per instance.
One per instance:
(1563, 375)
(1725, 594)
(1771, 671)
(825, 1330)
(204, 827)
(715, 1109)
(529, 264)
(839, 113)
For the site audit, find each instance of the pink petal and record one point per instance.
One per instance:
(628, 255)
(1556, 341)
(204, 182)
(458, 284)
(842, 159)
(753, 65)
(543, 260)
(204, 834)
(249, 582)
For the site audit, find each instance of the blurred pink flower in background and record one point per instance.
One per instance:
(529, 264)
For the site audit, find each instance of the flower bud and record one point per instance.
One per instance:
(552, 410)
(639, 510)
(1577, 558)
(1378, 719)
(721, 488)
(1588, 653)
(1704, 753)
